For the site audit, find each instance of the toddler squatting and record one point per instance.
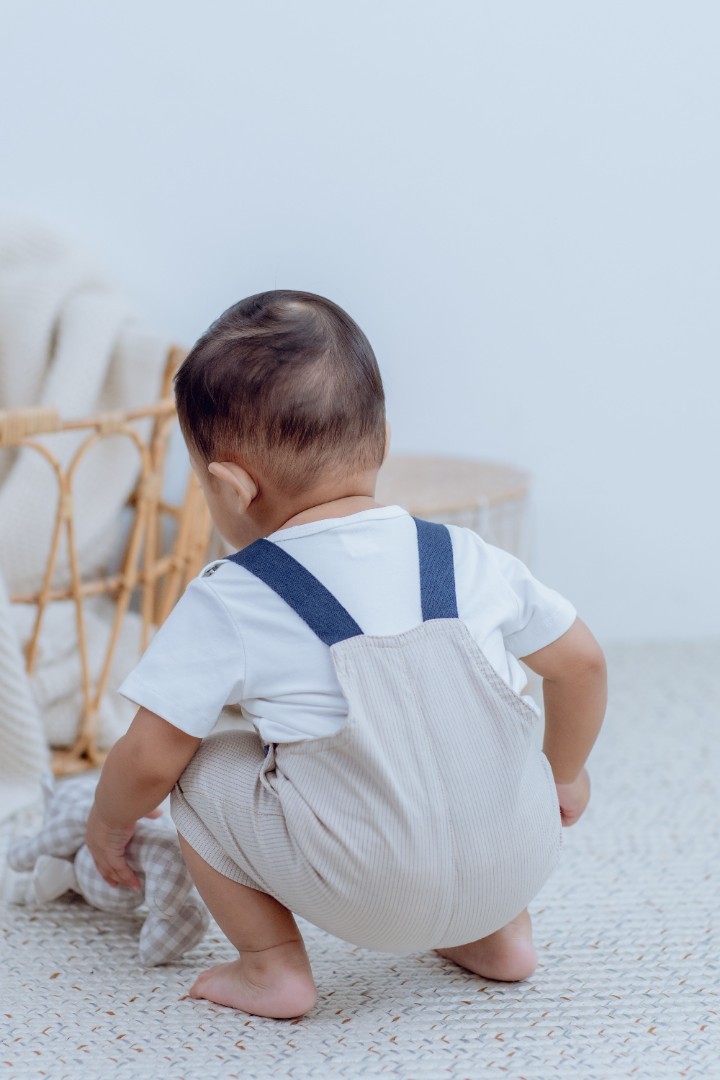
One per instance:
(387, 787)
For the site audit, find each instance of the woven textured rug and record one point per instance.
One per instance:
(627, 931)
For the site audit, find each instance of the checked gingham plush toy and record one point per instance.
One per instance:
(60, 861)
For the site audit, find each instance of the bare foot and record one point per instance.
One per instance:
(508, 955)
(279, 986)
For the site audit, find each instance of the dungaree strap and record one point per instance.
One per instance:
(317, 606)
(437, 571)
(307, 596)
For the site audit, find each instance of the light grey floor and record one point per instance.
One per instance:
(627, 931)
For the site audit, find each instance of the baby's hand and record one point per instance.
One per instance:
(574, 798)
(107, 847)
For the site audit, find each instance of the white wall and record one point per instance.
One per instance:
(518, 201)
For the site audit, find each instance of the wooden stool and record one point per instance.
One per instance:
(481, 495)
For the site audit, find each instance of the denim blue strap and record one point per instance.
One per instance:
(307, 596)
(437, 571)
(317, 606)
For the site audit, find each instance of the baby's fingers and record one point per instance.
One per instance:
(570, 815)
(118, 873)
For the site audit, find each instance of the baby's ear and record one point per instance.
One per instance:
(388, 440)
(237, 479)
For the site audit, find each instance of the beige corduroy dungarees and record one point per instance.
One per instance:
(430, 820)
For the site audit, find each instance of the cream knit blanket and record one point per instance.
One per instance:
(67, 340)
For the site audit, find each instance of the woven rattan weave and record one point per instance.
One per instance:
(156, 562)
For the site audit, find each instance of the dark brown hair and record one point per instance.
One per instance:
(288, 381)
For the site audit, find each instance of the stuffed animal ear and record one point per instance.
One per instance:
(156, 852)
(177, 918)
(162, 940)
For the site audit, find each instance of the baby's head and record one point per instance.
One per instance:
(286, 386)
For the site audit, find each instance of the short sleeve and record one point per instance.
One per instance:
(194, 665)
(541, 615)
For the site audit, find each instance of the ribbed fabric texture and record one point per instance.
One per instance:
(430, 820)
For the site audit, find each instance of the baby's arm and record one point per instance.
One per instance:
(575, 696)
(140, 770)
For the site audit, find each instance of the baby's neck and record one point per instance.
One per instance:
(334, 508)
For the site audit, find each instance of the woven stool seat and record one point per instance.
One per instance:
(489, 497)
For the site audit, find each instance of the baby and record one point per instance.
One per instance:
(388, 786)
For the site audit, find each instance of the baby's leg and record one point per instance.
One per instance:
(508, 955)
(272, 977)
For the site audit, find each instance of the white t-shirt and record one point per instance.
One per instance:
(230, 640)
